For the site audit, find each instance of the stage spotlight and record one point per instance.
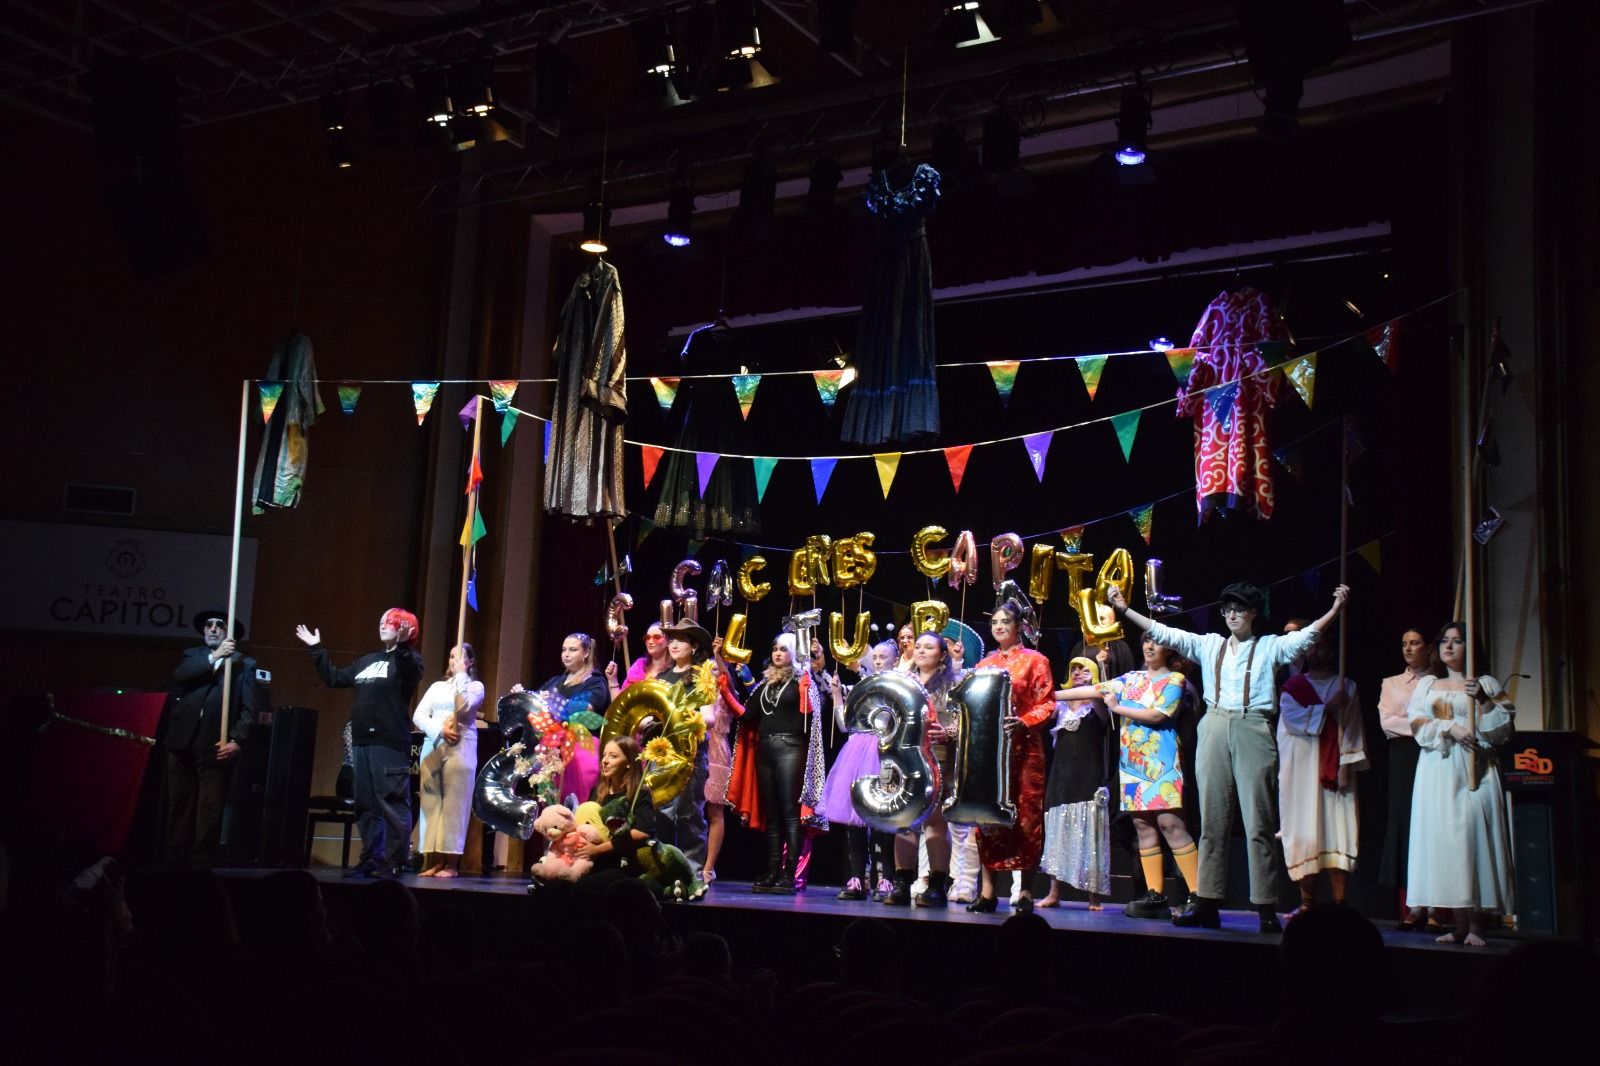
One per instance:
(471, 91)
(656, 53)
(465, 131)
(1161, 344)
(596, 221)
(737, 29)
(339, 153)
(680, 217)
(744, 74)
(824, 186)
(1002, 142)
(836, 26)
(1133, 123)
(433, 95)
(963, 25)
(333, 111)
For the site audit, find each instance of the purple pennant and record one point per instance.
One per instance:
(1221, 398)
(704, 463)
(468, 413)
(1038, 445)
(821, 471)
(547, 444)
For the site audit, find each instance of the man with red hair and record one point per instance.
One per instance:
(380, 731)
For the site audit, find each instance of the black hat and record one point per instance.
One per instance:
(203, 617)
(690, 630)
(1243, 592)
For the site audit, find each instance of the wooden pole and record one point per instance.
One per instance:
(1468, 589)
(472, 515)
(1344, 538)
(233, 565)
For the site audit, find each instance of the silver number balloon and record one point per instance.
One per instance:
(895, 707)
(496, 799)
(982, 791)
(1159, 603)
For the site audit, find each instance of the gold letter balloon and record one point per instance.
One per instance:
(749, 588)
(930, 562)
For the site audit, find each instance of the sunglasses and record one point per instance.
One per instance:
(216, 623)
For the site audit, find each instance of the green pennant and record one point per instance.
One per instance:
(764, 468)
(1127, 427)
(479, 530)
(508, 422)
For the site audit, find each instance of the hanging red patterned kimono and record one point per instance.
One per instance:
(1228, 398)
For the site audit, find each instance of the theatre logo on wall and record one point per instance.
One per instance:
(111, 581)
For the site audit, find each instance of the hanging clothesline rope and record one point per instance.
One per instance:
(1024, 360)
(1015, 436)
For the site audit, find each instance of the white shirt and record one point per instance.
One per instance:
(1227, 692)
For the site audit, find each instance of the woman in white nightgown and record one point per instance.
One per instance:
(1460, 836)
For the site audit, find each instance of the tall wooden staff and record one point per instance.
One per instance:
(616, 576)
(1344, 538)
(1468, 568)
(233, 566)
(472, 521)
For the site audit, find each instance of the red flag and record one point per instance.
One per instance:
(652, 457)
(475, 478)
(956, 460)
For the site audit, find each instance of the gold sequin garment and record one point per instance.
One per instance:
(583, 478)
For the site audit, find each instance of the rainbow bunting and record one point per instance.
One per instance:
(1090, 367)
(956, 459)
(422, 394)
(468, 413)
(666, 391)
(475, 476)
(1302, 374)
(1038, 446)
(828, 382)
(744, 388)
(1072, 536)
(764, 468)
(1141, 519)
(1004, 373)
(1382, 342)
(1127, 427)
(269, 392)
(1181, 360)
(349, 396)
(887, 463)
(501, 393)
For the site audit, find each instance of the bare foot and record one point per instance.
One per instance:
(432, 871)
(1049, 901)
(445, 871)
(1448, 938)
(1473, 940)
(1096, 905)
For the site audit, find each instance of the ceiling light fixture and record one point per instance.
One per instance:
(1133, 123)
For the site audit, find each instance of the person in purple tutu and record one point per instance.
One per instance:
(859, 758)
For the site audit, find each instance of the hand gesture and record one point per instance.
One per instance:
(1116, 599)
(611, 675)
(1012, 723)
(226, 751)
(1471, 687)
(518, 687)
(224, 650)
(1460, 731)
(309, 637)
(716, 646)
(1103, 656)
(586, 850)
(451, 732)
(1340, 595)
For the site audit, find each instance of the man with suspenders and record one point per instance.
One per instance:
(1236, 752)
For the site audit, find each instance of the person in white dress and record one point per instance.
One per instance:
(1460, 836)
(447, 717)
(1321, 747)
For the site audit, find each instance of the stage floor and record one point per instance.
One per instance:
(1238, 927)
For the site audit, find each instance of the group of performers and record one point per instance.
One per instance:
(1281, 735)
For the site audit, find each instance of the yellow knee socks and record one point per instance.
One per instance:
(1188, 860)
(1150, 861)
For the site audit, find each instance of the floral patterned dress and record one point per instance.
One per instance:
(1149, 770)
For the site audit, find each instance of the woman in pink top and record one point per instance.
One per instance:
(1403, 752)
(655, 660)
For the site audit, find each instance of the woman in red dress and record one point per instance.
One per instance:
(1018, 847)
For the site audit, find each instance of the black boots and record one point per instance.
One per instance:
(784, 884)
(1150, 905)
(768, 881)
(1198, 913)
(935, 894)
(900, 895)
(1269, 918)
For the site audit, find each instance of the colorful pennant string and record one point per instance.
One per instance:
(666, 391)
(1372, 553)
(1072, 538)
(764, 469)
(508, 422)
(887, 463)
(1126, 426)
(1142, 518)
(269, 392)
(1004, 373)
(1181, 360)
(1038, 446)
(956, 459)
(501, 393)
(1221, 399)
(821, 471)
(704, 464)
(477, 528)
(422, 394)
(744, 389)
(1090, 367)
(349, 396)
(1302, 374)
(828, 382)
(652, 459)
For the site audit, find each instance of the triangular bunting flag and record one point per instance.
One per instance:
(269, 392)
(1289, 459)
(1004, 373)
(1382, 342)
(1372, 552)
(1127, 426)
(1038, 446)
(475, 477)
(764, 468)
(472, 589)
(821, 471)
(468, 413)
(1090, 367)
(349, 396)
(646, 527)
(508, 422)
(744, 389)
(828, 382)
(652, 459)
(1274, 352)
(666, 391)
(956, 460)
(1142, 517)
(1073, 537)
(704, 464)
(1221, 399)
(546, 444)
(694, 548)
(477, 528)
(1302, 374)
(422, 394)
(1181, 360)
(887, 463)
(501, 394)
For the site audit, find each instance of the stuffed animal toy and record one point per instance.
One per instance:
(562, 834)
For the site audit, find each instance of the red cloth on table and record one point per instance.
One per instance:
(1232, 454)
(1019, 846)
(84, 783)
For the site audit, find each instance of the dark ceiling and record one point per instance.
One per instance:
(574, 98)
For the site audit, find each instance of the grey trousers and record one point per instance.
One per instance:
(1236, 756)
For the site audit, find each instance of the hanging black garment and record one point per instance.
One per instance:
(895, 397)
(583, 477)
